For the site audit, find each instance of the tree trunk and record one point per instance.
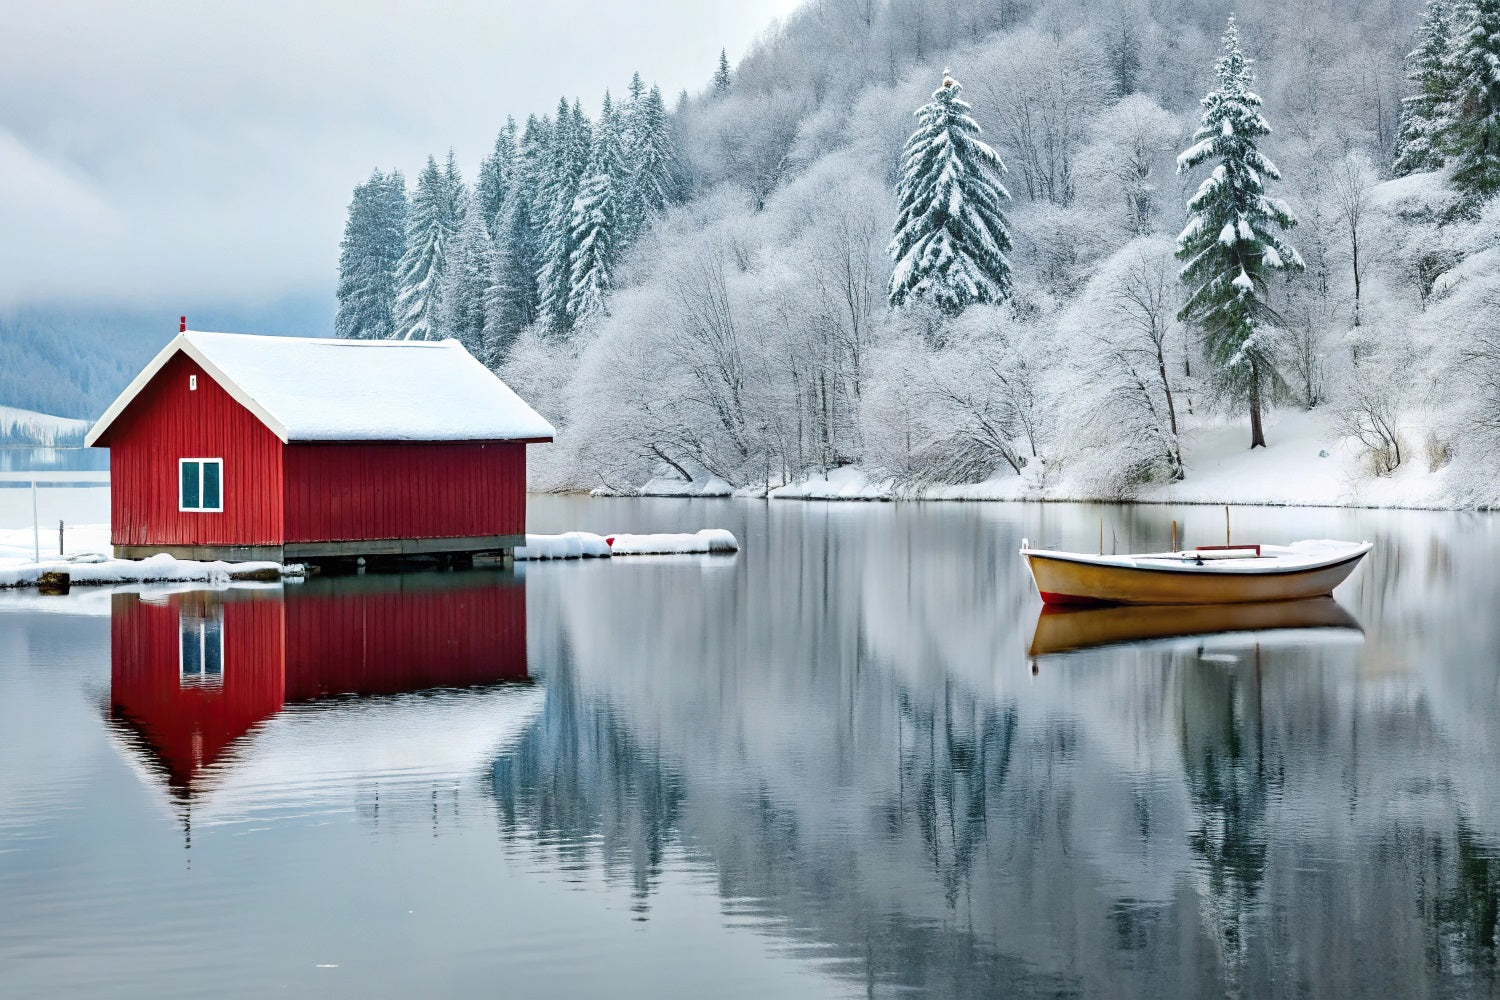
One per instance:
(1257, 432)
(1354, 239)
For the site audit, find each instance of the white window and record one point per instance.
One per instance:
(201, 651)
(200, 485)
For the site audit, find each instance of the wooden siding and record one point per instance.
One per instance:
(168, 421)
(354, 491)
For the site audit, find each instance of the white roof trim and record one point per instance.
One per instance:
(186, 346)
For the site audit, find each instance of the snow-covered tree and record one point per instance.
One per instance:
(596, 219)
(721, 75)
(1473, 110)
(514, 298)
(436, 212)
(1429, 72)
(1231, 242)
(469, 272)
(650, 155)
(495, 176)
(1119, 168)
(374, 240)
(950, 240)
(571, 142)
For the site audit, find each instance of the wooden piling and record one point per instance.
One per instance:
(54, 584)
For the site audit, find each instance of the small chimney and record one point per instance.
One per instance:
(182, 324)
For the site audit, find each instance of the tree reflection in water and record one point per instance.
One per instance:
(847, 735)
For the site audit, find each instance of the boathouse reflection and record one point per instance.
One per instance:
(193, 672)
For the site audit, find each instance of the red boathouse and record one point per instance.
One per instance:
(238, 447)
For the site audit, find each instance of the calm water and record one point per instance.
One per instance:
(841, 763)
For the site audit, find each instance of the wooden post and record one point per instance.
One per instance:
(1226, 525)
(1101, 536)
(54, 584)
(1174, 536)
(60, 539)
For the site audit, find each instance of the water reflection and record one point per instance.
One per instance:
(1064, 629)
(842, 733)
(252, 698)
(832, 741)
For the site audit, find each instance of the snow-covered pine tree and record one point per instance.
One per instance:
(1473, 111)
(1419, 140)
(469, 273)
(596, 213)
(651, 157)
(514, 298)
(374, 240)
(570, 155)
(433, 219)
(950, 238)
(1231, 242)
(494, 177)
(721, 75)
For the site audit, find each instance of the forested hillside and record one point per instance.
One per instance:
(788, 273)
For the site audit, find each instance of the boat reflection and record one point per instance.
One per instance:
(260, 696)
(1061, 629)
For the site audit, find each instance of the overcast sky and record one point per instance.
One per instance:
(207, 151)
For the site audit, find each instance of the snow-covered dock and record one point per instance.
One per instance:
(91, 569)
(583, 545)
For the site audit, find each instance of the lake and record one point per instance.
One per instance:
(852, 760)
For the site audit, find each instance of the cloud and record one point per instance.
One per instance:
(203, 151)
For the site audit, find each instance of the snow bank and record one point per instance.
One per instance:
(1307, 464)
(660, 487)
(85, 569)
(707, 540)
(572, 545)
(583, 545)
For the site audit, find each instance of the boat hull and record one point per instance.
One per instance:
(1062, 580)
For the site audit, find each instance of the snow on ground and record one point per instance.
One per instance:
(158, 568)
(582, 545)
(31, 427)
(1306, 463)
(660, 487)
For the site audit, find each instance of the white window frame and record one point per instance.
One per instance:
(200, 462)
(197, 630)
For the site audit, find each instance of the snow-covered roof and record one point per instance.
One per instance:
(352, 390)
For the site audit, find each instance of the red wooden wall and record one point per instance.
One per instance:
(337, 492)
(167, 421)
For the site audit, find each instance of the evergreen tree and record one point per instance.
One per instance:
(721, 75)
(1473, 111)
(514, 300)
(435, 215)
(1419, 141)
(1231, 241)
(469, 273)
(569, 162)
(374, 240)
(494, 177)
(651, 154)
(596, 215)
(950, 238)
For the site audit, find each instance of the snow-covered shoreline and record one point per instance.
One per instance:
(1307, 464)
(162, 568)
